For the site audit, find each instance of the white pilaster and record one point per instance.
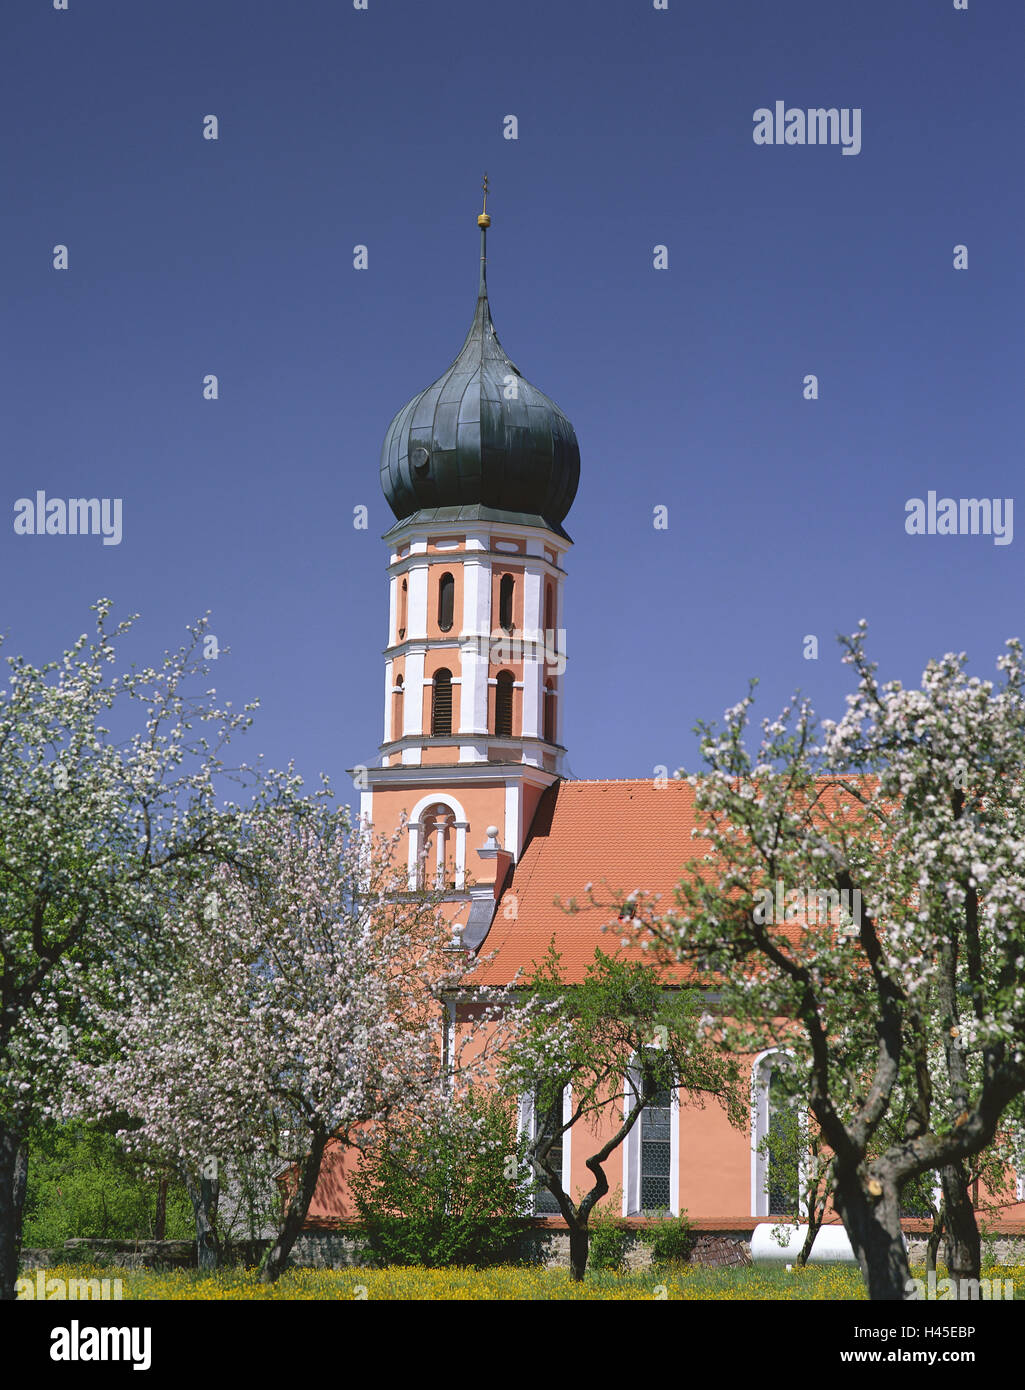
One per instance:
(473, 704)
(533, 652)
(414, 853)
(388, 701)
(413, 700)
(511, 839)
(461, 827)
(416, 617)
(440, 835)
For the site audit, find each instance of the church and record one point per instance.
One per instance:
(480, 470)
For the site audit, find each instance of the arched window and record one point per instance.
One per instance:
(656, 1141)
(446, 601)
(441, 710)
(435, 848)
(505, 602)
(777, 1140)
(651, 1152)
(436, 844)
(550, 612)
(397, 707)
(784, 1150)
(549, 713)
(403, 601)
(537, 1121)
(504, 705)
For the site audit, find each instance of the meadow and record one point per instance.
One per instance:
(832, 1283)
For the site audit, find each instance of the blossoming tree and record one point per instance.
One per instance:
(299, 1003)
(95, 828)
(915, 801)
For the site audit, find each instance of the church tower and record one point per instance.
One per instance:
(480, 470)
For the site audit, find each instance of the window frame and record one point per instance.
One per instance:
(527, 1124)
(632, 1153)
(549, 714)
(435, 732)
(505, 684)
(402, 620)
(761, 1073)
(507, 597)
(448, 589)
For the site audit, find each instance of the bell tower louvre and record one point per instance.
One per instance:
(480, 469)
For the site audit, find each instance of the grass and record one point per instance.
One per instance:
(507, 1282)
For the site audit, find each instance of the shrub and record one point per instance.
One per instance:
(671, 1243)
(607, 1249)
(445, 1194)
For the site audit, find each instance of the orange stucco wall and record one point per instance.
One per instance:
(483, 805)
(714, 1169)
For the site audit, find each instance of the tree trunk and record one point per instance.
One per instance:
(13, 1177)
(20, 1186)
(815, 1217)
(935, 1236)
(203, 1195)
(160, 1223)
(873, 1228)
(963, 1245)
(276, 1258)
(579, 1243)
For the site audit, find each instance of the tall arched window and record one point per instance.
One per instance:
(504, 705)
(446, 601)
(441, 710)
(403, 603)
(656, 1144)
(505, 602)
(651, 1153)
(537, 1121)
(397, 708)
(549, 713)
(777, 1140)
(784, 1150)
(550, 611)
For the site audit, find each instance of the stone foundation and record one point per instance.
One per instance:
(135, 1254)
(336, 1250)
(1005, 1250)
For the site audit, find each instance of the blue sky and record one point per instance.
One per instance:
(685, 386)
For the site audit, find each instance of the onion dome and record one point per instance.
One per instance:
(481, 442)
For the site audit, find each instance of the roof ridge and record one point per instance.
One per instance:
(604, 781)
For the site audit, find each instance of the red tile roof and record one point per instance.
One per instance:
(617, 836)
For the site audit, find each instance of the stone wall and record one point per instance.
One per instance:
(335, 1250)
(1005, 1250)
(135, 1254)
(551, 1249)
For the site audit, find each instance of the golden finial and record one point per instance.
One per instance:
(484, 220)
